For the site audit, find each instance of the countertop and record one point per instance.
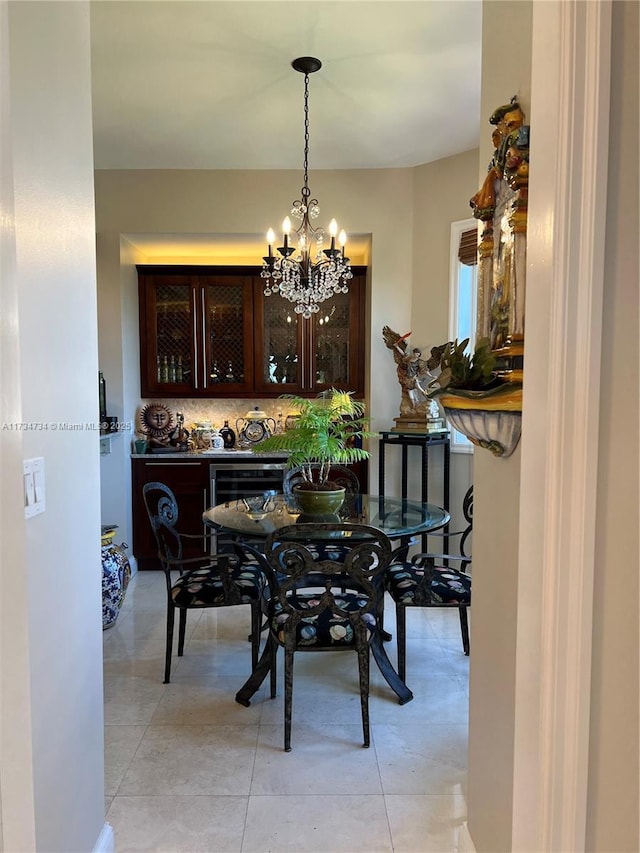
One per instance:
(226, 455)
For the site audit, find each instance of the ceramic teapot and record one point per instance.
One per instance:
(255, 427)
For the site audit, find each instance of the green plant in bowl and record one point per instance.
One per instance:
(461, 372)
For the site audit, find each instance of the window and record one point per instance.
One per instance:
(463, 267)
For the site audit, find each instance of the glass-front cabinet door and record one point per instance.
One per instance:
(299, 356)
(227, 334)
(167, 344)
(278, 351)
(336, 345)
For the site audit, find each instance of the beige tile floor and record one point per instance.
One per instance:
(188, 769)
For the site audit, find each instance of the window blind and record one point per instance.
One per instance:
(468, 248)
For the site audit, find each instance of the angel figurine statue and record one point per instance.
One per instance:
(417, 410)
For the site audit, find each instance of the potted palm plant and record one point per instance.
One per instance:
(323, 433)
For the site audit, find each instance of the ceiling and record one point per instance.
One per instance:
(209, 85)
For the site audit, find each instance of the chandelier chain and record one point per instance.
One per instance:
(306, 192)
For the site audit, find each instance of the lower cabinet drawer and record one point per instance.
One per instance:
(188, 480)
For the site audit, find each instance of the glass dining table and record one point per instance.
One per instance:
(249, 519)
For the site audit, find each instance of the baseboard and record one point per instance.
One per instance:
(465, 842)
(106, 840)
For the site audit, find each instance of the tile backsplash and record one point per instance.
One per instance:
(219, 411)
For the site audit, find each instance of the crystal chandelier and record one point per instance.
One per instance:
(303, 271)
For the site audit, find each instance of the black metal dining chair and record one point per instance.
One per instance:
(324, 599)
(203, 581)
(429, 580)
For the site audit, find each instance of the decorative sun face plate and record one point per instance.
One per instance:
(156, 420)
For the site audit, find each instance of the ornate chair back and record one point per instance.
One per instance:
(162, 509)
(429, 580)
(205, 580)
(327, 598)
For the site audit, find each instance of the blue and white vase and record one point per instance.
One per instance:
(116, 573)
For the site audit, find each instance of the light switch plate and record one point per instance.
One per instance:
(34, 497)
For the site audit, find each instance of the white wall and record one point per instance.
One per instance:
(52, 774)
(16, 778)
(506, 71)
(613, 796)
(442, 193)
(119, 349)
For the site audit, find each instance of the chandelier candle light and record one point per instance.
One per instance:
(303, 271)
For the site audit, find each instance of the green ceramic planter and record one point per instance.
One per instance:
(318, 502)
